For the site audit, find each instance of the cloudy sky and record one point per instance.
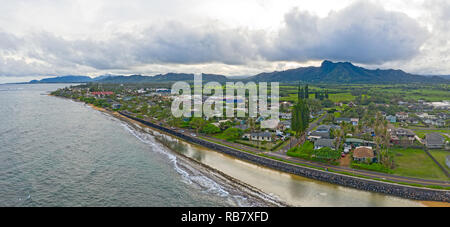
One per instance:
(40, 38)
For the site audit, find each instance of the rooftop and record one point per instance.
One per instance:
(363, 152)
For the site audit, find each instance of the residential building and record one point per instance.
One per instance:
(391, 119)
(353, 121)
(261, 136)
(116, 106)
(102, 93)
(241, 127)
(321, 143)
(363, 154)
(287, 116)
(353, 142)
(402, 116)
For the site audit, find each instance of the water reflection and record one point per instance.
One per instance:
(293, 189)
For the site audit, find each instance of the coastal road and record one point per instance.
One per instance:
(283, 156)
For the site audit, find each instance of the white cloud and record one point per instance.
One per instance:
(225, 37)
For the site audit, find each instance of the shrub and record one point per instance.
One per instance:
(232, 134)
(211, 129)
(373, 167)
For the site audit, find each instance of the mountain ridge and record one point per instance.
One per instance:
(328, 72)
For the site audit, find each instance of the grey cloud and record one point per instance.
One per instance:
(363, 33)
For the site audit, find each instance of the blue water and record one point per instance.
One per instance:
(56, 152)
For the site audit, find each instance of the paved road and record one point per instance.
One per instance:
(370, 174)
(364, 173)
(311, 127)
(281, 155)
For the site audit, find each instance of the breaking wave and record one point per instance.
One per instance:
(189, 174)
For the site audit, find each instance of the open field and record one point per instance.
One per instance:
(440, 156)
(422, 133)
(416, 163)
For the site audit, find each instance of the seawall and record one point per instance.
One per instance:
(404, 191)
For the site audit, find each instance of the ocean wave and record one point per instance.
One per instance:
(189, 174)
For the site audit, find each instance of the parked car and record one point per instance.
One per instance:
(193, 135)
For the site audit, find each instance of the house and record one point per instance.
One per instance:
(412, 121)
(128, 98)
(363, 154)
(321, 143)
(287, 116)
(286, 124)
(351, 104)
(320, 135)
(261, 136)
(116, 106)
(405, 136)
(343, 119)
(402, 116)
(102, 93)
(391, 119)
(323, 128)
(434, 141)
(353, 121)
(438, 123)
(353, 142)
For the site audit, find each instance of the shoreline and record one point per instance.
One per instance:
(425, 202)
(255, 195)
(398, 190)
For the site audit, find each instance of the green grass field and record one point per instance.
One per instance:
(440, 156)
(422, 133)
(416, 163)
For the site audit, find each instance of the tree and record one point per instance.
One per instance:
(175, 122)
(210, 129)
(198, 123)
(300, 118)
(307, 92)
(232, 134)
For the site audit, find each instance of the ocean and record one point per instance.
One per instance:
(58, 152)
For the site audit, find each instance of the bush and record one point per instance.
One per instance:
(232, 134)
(306, 151)
(377, 167)
(211, 129)
(327, 153)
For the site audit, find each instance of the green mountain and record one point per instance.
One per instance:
(170, 77)
(344, 73)
(328, 72)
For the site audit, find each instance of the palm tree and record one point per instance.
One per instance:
(337, 138)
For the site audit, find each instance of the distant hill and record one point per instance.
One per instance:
(64, 79)
(447, 77)
(71, 79)
(328, 72)
(170, 77)
(344, 73)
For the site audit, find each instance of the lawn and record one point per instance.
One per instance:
(416, 163)
(422, 133)
(440, 156)
(341, 97)
(268, 146)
